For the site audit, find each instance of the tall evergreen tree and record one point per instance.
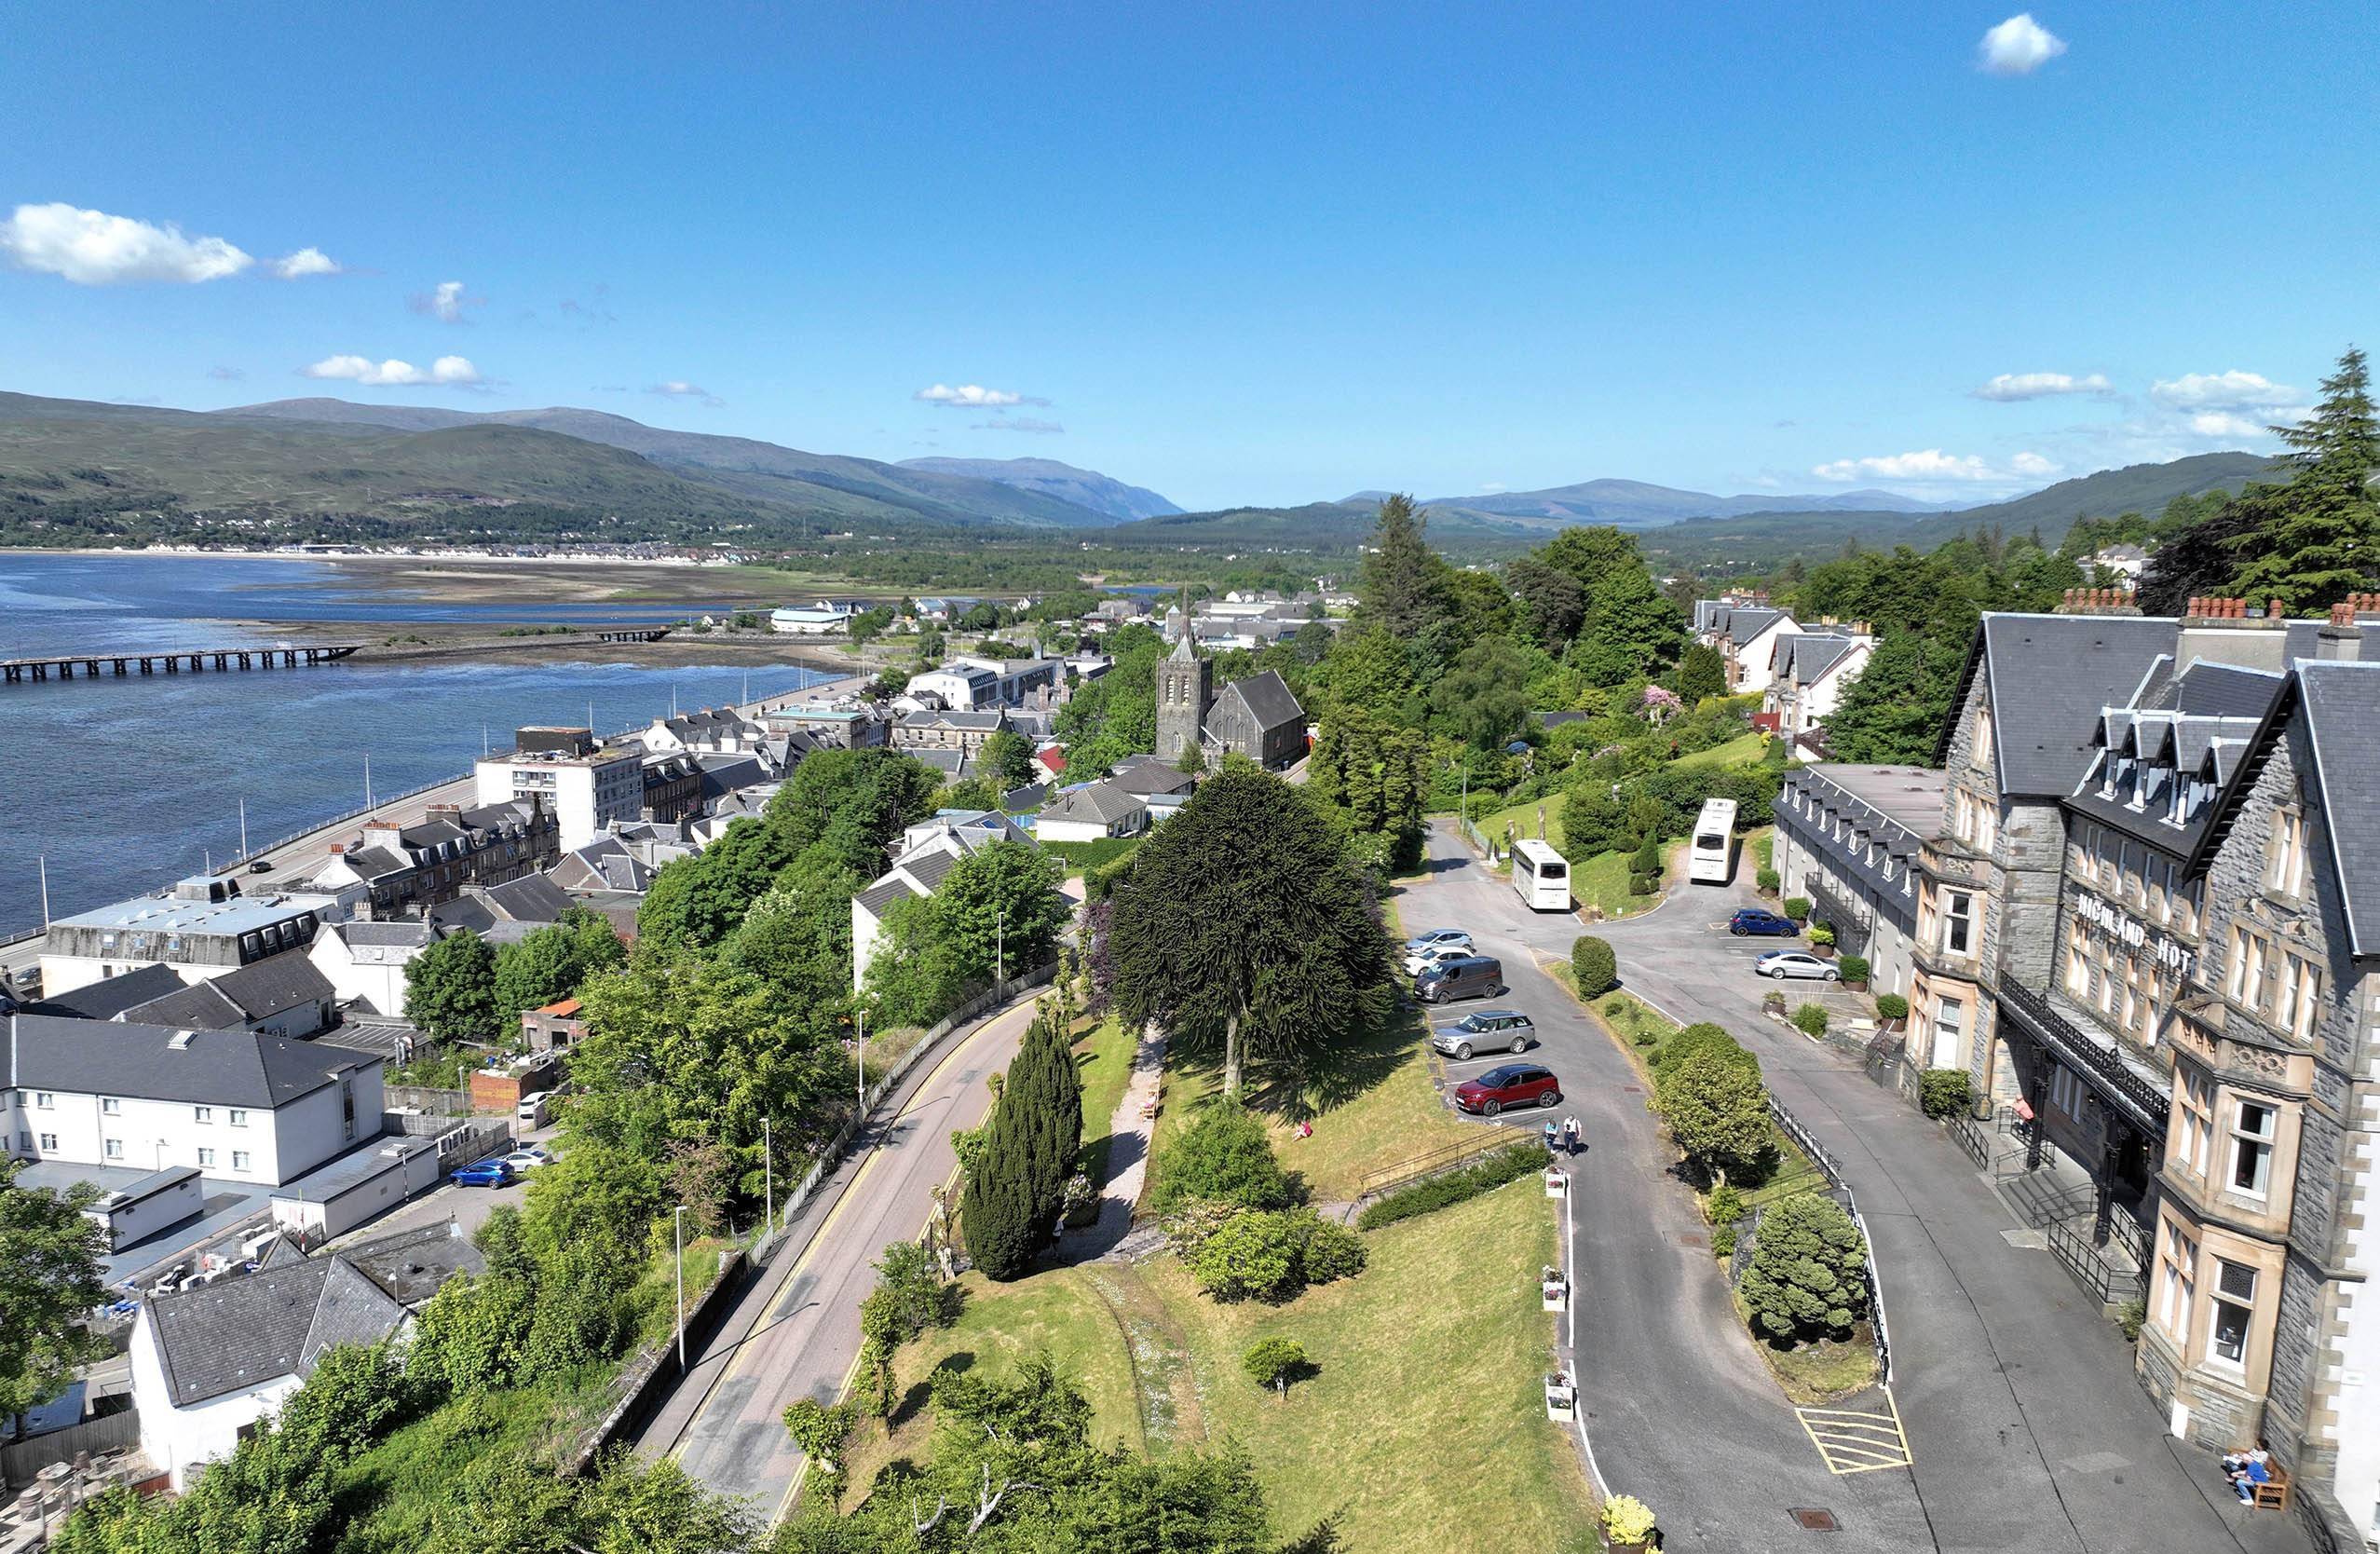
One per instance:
(1010, 1204)
(1407, 586)
(2316, 540)
(1244, 927)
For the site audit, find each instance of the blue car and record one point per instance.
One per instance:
(1751, 919)
(483, 1173)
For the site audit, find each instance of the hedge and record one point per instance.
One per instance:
(1594, 966)
(1509, 1164)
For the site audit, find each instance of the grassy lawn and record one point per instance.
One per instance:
(1103, 1059)
(1738, 751)
(1426, 1390)
(1522, 818)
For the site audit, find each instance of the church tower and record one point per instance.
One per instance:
(1185, 689)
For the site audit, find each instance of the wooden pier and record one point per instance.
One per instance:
(182, 661)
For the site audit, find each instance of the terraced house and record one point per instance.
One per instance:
(2147, 924)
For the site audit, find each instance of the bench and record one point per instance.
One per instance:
(2273, 1494)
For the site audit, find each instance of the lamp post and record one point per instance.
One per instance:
(677, 1236)
(864, 1064)
(769, 1175)
(999, 950)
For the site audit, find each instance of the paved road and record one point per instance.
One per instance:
(2025, 1427)
(1680, 1407)
(796, 1333)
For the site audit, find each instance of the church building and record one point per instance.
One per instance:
(1257, 717)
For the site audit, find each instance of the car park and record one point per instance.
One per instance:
(1514, 1085)
(1438, 936)
(1460, 976)
(491, 1172)
(1752, 920)
(1419, 961)
(1782, 964)
(1486, 1030)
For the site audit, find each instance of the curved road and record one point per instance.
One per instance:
(795, 1332)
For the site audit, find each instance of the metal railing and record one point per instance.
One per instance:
(2145, 1100)
(1825, 1162)
(1968, 1134)
(1445, 1158)
(2089, 1267)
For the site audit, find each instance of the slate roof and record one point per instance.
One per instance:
(1268, 699)
(931, 870)
(209, 1068)
(879, 898)
(2342, 705)
(1806, 656)
(2190, 730)
(373, 862)
(951, 762)
(531, 898)
(1151, 777)
(263, 988)
(381, 1036)
(1099, 804)
(2051, 677)
(275, 1322)
(110, 996)
(200, 1006)
(1743, 622)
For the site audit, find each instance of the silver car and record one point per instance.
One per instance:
(1782, 964)
(1485, 1031)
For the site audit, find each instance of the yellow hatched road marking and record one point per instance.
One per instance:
(1857, 1441)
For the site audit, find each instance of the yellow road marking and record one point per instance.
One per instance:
(1857, 1441)
(745, 1346)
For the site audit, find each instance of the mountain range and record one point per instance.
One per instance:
(389, 470)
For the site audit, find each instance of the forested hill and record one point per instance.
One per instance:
(1766, 538)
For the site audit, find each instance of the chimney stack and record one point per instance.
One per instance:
(2097, 601)
(2222, 630)
(2340, 640)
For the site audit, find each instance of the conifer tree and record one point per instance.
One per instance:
(1018, 1183)
(2316, 540)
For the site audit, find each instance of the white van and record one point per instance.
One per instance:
(532, 1111)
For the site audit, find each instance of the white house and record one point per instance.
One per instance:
(208, 1363)
(1090, 813)
(365, 961)
(235, 1104)
(929, 851)
(1808, 674)
(1744, 628)
(819, 619)
(587, 786)
(205, 927)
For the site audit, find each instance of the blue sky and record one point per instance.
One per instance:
(1256, 254)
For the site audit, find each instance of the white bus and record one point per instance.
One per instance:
(1541, 876)
(1711, 856)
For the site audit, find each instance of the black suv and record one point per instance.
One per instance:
(1487, 1031)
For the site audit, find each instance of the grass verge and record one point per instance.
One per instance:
(1103, 1060)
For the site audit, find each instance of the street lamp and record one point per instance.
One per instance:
(768, 1175)
(677, 1234)
(864, 1064)
(999, 950)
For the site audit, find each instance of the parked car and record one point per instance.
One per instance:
(1512, 1084)
(1460, 976)
(1437, 936)
(1421, 959)
(1782, 964)
(1751, 919)
(529, 1158)
(1485, 1031)
(491, 1172)
(533, 1110)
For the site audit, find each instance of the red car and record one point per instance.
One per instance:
(1512, 1084)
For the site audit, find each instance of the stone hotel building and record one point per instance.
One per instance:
(2146, 920)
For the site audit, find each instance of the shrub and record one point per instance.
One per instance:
(1811, 1019)
(1643, 884)
(1332, 1252)
(1809, 1272)
(2129, 1318)
(1224, 1156)
(1798, 907)
(1854, 968)
(1700, 1036)
(1645, 1036)
(1593, 965)
(1891, 1006)
(1271, 1255)
(1945, 1091)
(1725, 1204)
(821, 1430)
(1507, 1165)
(1723, 1242)
(1275, 1363)
(1627, 1520)
(1767, 879)
(1646, 859)
(1821, 936)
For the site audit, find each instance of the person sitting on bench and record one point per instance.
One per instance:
(2252, 1472)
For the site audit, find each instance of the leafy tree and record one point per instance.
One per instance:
(1552, 602)
(1007, 759)
(549, 964)
(1014, 1194)
(1004, 900)
(1270, 1255)
(1224, 1156)
(2316, 540)
(1808, 1276)
(853, 804)
(1273, 1363)
(1717, 1111)
(1114, 715)
(821, 1430)
(970, 793)
(450, 989)
(797, 937)
(49, 1279)
(1631, 627)
(910, 1296)
(917, 970)
(1701, 673)
(697, 901)
(1243, 927)
(1377, 772)
(1894, 712)
(1405, 587)
(354, 1394)
(1479, 699)
(1371, 670)
(1595, 969)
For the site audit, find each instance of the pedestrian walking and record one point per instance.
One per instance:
(1571, 1136)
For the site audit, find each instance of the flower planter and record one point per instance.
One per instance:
(1824, 952)
(1858, 986)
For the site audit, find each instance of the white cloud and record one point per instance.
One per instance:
(1932, 468)
(444, 302)
(447, 372)
(973, 396)
(91, 248)
(678, 388)
(2009, 387)
(2019, 46)
(2231, 391)
(1021, 423)
(306, 261)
